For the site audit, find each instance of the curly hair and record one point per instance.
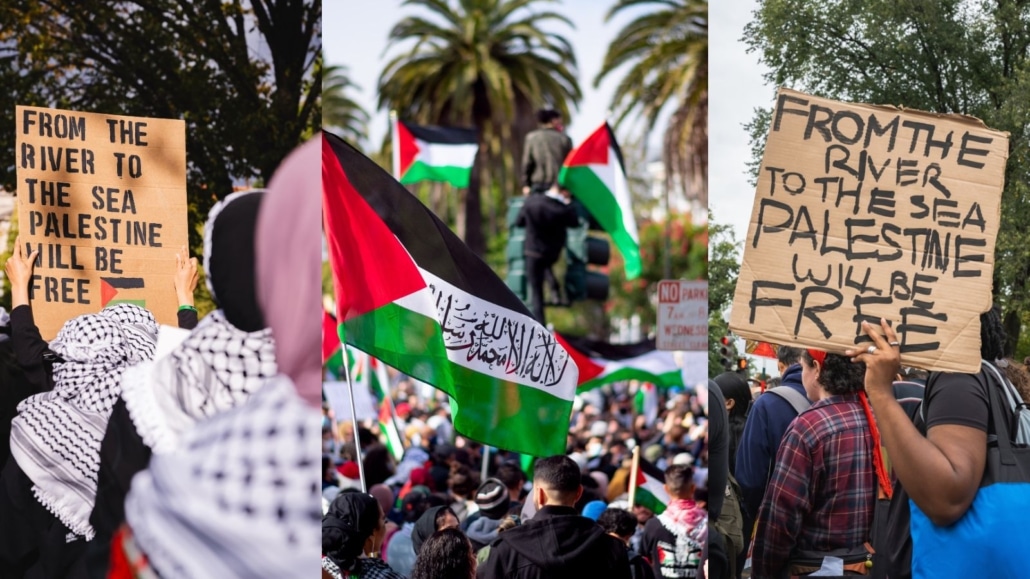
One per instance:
(447, 554)
(839, 375)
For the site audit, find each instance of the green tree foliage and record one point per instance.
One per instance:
(667, 50)
(245, 76)
(340, 112)
(950, 56)
(723, 269)
(481, 63)
(689, 261)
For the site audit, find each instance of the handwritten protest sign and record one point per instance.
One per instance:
(103, 199)
(863, 212)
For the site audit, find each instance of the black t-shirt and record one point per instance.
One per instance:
(960, 399)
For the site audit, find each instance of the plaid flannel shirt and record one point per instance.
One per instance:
(822, 493)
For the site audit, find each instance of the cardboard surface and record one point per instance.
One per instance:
(682, 315)
(103, 197)
(866, 211)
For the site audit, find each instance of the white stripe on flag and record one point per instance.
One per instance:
(494, 340)
(446, 154)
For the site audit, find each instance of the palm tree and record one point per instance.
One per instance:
(668, 52)
(484, 63)
(339, 110)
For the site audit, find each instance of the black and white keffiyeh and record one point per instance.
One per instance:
(215, 369)
(240, 497)
(56, 436)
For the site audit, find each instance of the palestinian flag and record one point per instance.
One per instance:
(387, 422)
(121, 287)
(595, 174)
(410, 293)
(433, 153)
(651, 488)
(602, 363)
(645, 401)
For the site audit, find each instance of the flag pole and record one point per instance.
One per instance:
(486, 461)
(633, 476)
(354, 417)
(395, 150)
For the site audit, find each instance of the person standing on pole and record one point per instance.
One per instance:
(544, 152)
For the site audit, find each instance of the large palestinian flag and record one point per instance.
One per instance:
(602, 363)
(595, 175)
(433, 153)
(410, 293)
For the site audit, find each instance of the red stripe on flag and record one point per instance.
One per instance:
(330, 336)
(588, 370)
(592, 151)
(408, 147)
(370, 266)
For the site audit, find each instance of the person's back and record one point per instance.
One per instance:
(763, 431)
(821, 497)
(544, 152)
(546, 219)
(557, 542)
(673, 540)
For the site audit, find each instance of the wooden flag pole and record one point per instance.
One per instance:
(354, 417)
(395, 147)
(633, 476)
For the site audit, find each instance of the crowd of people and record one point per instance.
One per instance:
(853, 465)
(120, 464)
(434, 514)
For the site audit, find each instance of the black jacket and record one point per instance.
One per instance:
(556, 543)
(546, 220)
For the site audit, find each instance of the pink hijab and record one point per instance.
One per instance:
(289, 266)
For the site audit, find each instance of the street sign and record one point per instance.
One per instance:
(683, 315)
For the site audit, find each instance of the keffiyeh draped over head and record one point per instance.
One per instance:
(216, 368)
(240, 498)
(56, 436)
(228, 355)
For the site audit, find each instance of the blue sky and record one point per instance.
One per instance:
(355, 35)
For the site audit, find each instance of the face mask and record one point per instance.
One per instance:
(594, 449)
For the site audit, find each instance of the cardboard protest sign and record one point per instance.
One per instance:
(103, 199)
(863, 212)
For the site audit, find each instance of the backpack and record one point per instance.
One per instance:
(792, 396)
(730, 523)
(991, 533)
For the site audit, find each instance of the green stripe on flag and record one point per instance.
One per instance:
(600, 201)
(645, 499)
(419, 171)
(666, 380)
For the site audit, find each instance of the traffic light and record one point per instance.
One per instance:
(726, 353)
(582, 250)
(516, 278)
(742, 367)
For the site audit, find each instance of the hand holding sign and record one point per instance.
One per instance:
(883, 363)
(185, 276)
(19, 272)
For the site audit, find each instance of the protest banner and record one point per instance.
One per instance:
(863, 212)
(103, 200)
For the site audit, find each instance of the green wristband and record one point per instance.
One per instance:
(187, 308)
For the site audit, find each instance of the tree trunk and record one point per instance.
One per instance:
(1013, 326)
(473, 208)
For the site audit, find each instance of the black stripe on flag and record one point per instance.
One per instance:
(598, 349)
(124, 282)
(428, 240)
(446, 135)
(651, 470)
